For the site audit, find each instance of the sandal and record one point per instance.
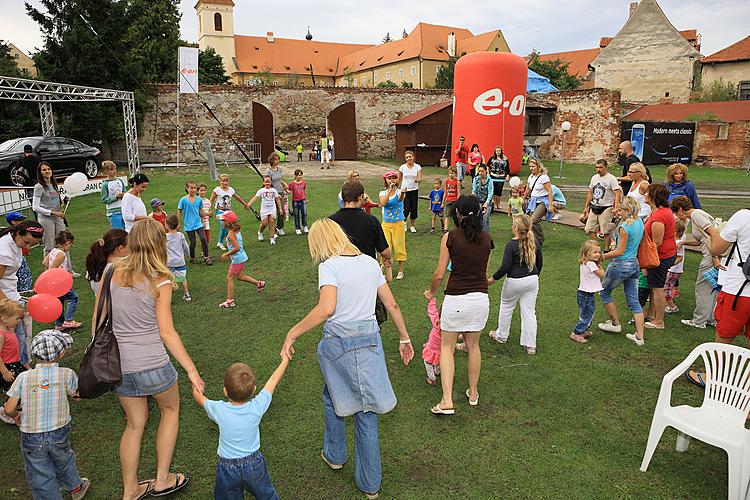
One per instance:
(438, 410)
(178, 485)
(696, 378)
(472, 403)
(587, 334)
(261, 286)
(578, 338)
(653, 326)
(227, 303)
(461, 346)
(149, 489)
(496, 337)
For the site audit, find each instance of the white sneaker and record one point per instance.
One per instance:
(221, 247)
(273, 240)
(78, 495)
(689, 322)
(631, 336)
(607, 326)
(413, 229)
(298, 231)
(556, 217)
(260, 236)
(280, 232)
(305, 230)
(75, 274)
(400, 276)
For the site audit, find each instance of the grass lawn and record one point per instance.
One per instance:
(571, 421)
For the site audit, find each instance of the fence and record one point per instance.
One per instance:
(15, 199)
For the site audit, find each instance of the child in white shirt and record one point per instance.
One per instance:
(591, 273)
(270, 205)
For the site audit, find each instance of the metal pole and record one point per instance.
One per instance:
(562, 156)
(178, 126)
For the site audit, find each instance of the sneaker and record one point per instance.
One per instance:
(530, 350)
(260, 236)
(75, 274)
(305, 230)
(607, 326)
(671, 309)
(227, 303)
(432, 229)
(400, 275)
(261, 286)
(372, 496)
(208, 260)
(631, 336)
(496, 337)
(329, 464)
(280, 232)
(186, 297)
(413, 229)
(556, 217)
(689, 322)
(82, 490)
(578, 338)
(221, 247)
(273, 240)
(298, 232)
(71, 324)
(5, 417)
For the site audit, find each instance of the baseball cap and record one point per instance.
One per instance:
(155, 202)
(229, 216)
(390, 173)
(50, 344)
(14, 216)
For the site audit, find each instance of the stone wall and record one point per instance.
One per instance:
(299, 114)
(710, 148)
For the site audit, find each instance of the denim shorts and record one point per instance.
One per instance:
(147, 382)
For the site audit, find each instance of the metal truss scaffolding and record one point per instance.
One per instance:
(45, 93)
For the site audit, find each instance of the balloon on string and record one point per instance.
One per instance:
(75, 183)
(44, 307)
(515, 181)
(56, 282)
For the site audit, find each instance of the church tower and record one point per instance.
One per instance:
(216, 29)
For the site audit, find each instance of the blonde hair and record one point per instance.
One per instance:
(679, 227)
(10, 309)
(526, 239)
(232, 226)
(224, 176)
(108, 164)
(351, 174)
(631, 206)
(640, 168)
(326, 239)
(239, 381)
(147, 255)
(674, 168)
(539, 166)
(586, 249)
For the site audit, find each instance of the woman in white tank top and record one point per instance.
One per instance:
(637, 172)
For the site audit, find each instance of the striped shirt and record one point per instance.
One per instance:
(42, 393)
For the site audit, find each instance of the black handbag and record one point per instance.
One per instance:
(100, 367)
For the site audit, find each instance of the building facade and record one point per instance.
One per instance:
(24, 63)
(732, 65)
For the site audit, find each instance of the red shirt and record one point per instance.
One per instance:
(369, 205)
(11, 352)
(462, 154)
(668, 247)
(298, 190)
(451, 190)
(161, 219)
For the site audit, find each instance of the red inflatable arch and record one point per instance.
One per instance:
(489, 104)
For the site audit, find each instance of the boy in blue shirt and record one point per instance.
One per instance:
(241, 464)
(436, 204)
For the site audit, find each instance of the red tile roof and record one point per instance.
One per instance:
(732, 111)
(578, 60)
(739, 51)
(422, 113)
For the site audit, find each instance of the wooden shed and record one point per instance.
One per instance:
(426, 132)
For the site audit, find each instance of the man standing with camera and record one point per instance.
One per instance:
(602, 198)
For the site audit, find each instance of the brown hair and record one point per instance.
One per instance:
(271, 156)
(351, 191)
(172, 221)
(100, 251)
(239, 381)
(679, 227)
(201, 185)
(659, 195)
(681, 203)
(601, 161)
(108, 164)
(63, 237)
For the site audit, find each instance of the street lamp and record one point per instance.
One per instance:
(565, 126)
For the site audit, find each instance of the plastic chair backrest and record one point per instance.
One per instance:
(727, 377)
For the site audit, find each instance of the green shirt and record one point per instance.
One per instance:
(299, 148)
(324, 142)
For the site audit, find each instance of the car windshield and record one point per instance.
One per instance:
(12, 145)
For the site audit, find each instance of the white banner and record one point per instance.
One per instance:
(188, 70)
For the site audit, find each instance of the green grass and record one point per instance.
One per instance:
(571, 421)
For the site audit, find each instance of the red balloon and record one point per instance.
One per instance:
(44, 307)
(56, 281)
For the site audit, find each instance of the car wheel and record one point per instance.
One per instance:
(18, 176)
(91, 168)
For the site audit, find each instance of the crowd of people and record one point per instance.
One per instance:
(144, 256)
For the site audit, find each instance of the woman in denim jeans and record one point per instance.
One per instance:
(355, 379)
(624, 269)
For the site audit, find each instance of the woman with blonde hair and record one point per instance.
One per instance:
(639, 177)
(348, 283)
(540, 197)
(522, 263)
(679, 185)
(624, 269)
(353, 175)
(141, 285)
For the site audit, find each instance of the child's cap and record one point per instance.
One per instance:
(50, 344)
(390, 173)
(14, 216)
(229, 216)
(156, 202)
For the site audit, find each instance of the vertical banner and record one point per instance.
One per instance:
(188, 70)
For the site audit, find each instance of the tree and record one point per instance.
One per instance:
(17, 119)
(211, 68)
(387, 38)
(388, 84)
(556, 70)
(407, 85)
(154, 35)
(718, 91)
(444, 78)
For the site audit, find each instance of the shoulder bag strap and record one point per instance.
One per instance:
(105, 296)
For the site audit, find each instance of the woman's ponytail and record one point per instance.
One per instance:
(100, 251)
(526, 239)
(467, 216)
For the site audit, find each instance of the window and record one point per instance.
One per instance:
(666, 94)
(533, 125)
(744, 90)
(217, 22)
(413, 70)
(387, 75)
(354, 82)
(722, 132)
(401, 72)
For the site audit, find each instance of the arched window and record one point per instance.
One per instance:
(217, 22)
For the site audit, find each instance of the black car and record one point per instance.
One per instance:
(65, 155)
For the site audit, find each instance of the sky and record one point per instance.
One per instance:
(547, 26)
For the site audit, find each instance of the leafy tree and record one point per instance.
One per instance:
(17, 119)
(154, 35)
(387, 38)
(211, 68)
(444, 78)
(388, 84)
(718, 91)
(407, 85)
(557, 72)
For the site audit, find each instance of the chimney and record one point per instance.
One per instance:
(452, 45)
(633, 6)
(269, 36)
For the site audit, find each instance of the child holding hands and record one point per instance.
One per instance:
(236, 252)
(270, 205)
(431, 348)
(241, 465)
(591, 273)
(177, 247)
(56, 258)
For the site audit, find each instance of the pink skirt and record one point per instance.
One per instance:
(236, 269)
(431, 349)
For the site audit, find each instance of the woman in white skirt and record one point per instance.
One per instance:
(466, 304)
(522, 263)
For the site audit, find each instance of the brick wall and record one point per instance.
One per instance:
(733, 152)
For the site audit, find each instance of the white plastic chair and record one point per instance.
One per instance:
(720, 420)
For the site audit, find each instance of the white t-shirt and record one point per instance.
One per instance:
(409, 176)
(132, 206)
(677, 268)
(223, 200)
(538, 185)
(736, 230)
(589, 281)
(356, 279)
(603, 189)
(10, 257)
(267, 201)
(207, 209)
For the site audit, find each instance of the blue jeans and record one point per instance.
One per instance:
(223, 232)
(625, 272)
(460, 170)
(234, 475)
(50, 463)
(116, 222)
(70, 303)
(486, 216)
(587, 307)
(367, 469)
(300, 214)
(20, 332)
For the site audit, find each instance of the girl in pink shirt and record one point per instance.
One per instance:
(10, 351)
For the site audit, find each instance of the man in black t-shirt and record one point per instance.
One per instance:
(29, 162)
